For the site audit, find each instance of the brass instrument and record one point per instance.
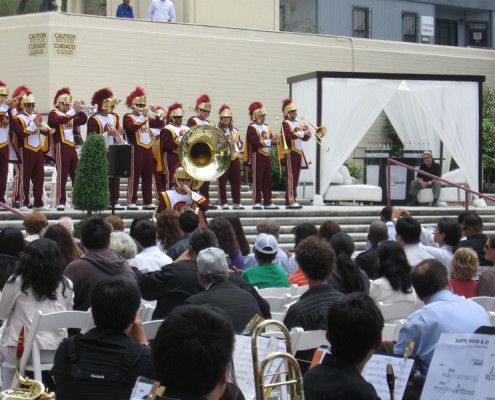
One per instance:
(118, 136)
(318, 131)
(294, 377)
(43, 126)
(235, 149)
(160, 114)
(204, 152)
(282, 147)
(88, 109)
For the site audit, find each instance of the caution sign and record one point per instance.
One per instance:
(36, 43)
(64, 44)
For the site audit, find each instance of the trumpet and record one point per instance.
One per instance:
(88, 109)
(160, 114)
(118, 136)
(318, 131)
(43, 126)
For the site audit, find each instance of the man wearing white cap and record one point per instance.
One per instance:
(266, 274)
(213, 273)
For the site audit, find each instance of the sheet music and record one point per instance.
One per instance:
(375, 372)
(243, 361)
(462, 368)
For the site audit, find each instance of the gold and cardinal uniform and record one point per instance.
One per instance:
(6, 115)
(170, 138)
(176, 199)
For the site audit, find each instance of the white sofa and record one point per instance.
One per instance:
(448, 194)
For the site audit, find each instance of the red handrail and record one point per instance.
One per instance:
(466, 190)
(13, 210)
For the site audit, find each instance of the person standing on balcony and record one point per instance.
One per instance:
(162, 10)
(124, 10)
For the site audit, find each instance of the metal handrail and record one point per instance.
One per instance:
(466, 190)
(13, 210)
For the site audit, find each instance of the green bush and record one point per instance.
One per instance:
(91, 187)
(355, 170)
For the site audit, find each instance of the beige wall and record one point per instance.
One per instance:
(178, 62)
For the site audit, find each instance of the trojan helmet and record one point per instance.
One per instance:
(24, 96)
(256, 110)
(225, 111)
(4, 90)
(203, 103)
(135, 99)
(62, 96)
(181, 173)
(175, 110)
(287, 107)
(104, 99)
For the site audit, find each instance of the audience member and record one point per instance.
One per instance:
(393, 281)
(301, 232)
(266, 274)
(167, 229)
(97, 264)
(124, 10)
(34, 223)
(105, 362)
(368, 260)
(444, 312)
(460, 219)
(227, 241)
(37, 284)
(134, 222)
(472, 228)
(68, 224)
(188, 222)
(270, 227)
(175, 283)
(486, 285)
(386, 217)
(11, 245)
(354, 326)
(192, 353)
(68, 248)
(464, 267)
(408, 236)
(123, 245)
(162, 10)
(347, 277)
(328, 229)
(235, 221)
(214, 274)
(116, 223)
(150, 258)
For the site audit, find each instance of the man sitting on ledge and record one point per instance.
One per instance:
(424, 182)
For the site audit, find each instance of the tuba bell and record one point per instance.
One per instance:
(204, 152)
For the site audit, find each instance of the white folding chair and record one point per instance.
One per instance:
(487, 302)
(390, 331)
(277, 303)
(491, 315)
(394, 311)
(46, 322)
(306, 340)
(151, 328)
(279, 316)
(298, 290)
(274, 291)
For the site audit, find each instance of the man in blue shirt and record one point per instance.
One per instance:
(125, 10)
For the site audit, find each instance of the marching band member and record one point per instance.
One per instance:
(203, 108)
(294, 160)
(65, 116)
(170, 138)
(28, 125)
(138, 134)
(259, 140)
(5, 119)
(157, 123)
(106, 123)
(233, 173)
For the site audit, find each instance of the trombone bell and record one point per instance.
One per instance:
(318, 131)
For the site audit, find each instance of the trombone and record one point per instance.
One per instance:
(319, 131)
(282, 147)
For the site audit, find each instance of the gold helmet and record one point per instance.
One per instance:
(256, 110)
(105, 100)
(24, 96)
(225, 111)
(181, 173)
(62, 96)
(136, 100)
(175, 110)
(287, 107)
(203, 103)
(4, 90)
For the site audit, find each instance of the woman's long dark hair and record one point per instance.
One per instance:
(67, 246)
(394, 266)
(226, 237)
(235, 221)
(343, 246)
(11, 245)
(41, 268)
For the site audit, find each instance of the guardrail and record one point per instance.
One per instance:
(466, 190)
(13, 210)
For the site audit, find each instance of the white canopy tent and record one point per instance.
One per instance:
(424, 109)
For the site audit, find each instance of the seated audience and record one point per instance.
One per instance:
(38, 284)
(214, 275)
(394, 275)
(464, 267)
(472, 228)
(188, 222)
(266, 274)
(386, 217)
(347, 277)
(70, 251)
(34, 223)
(408, 236)
(227, 241)
(116, 223)
(354, 330)
(105, 362)
(328, 229)
(301, 232)
(97, 264)
(368, 260)
(11, 245)
(123, 245)
(150, 258)
(271, 227)
(167, 229)
(68, 224)
(192, 353)
(235, 221)
(486, 285)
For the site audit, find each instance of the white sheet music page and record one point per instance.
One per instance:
(375, 372)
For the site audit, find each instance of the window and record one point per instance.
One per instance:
(410, 27)
(478, 34)
(361, 22)
(446, 32)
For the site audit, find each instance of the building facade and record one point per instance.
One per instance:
(463, 23)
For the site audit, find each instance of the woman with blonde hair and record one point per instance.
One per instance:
(464, 267)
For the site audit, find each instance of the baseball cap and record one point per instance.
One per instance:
(266, 243)
(427, 153)
(211, 260)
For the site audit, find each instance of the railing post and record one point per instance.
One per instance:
(466, 200)
(389, 197)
